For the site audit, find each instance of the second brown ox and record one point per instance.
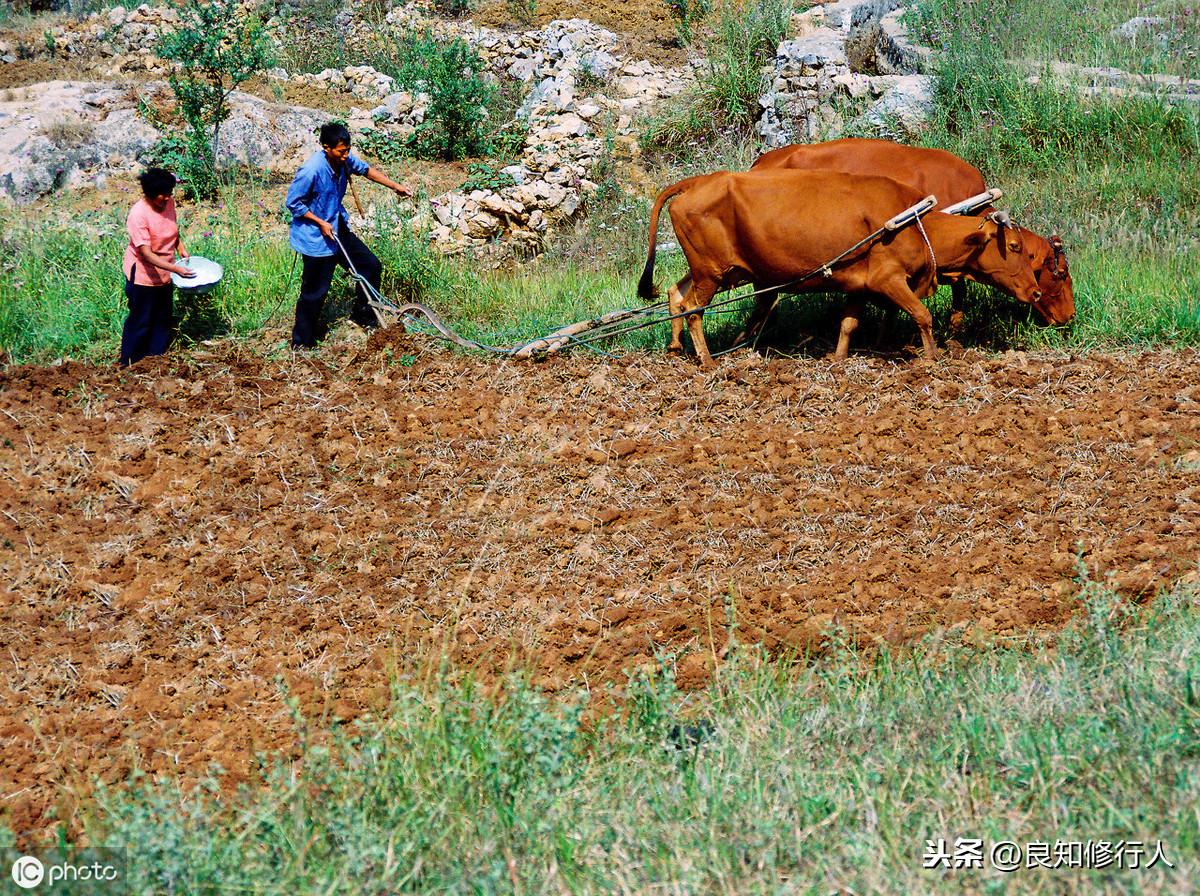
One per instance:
(770, 228)
(951, 179)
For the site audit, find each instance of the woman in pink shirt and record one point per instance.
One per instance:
(148, 264)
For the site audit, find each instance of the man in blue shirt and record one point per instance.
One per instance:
(315, 201)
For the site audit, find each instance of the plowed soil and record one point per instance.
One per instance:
(186, 544)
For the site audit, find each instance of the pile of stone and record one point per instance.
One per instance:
(359, 81)
(114, 42)
(848, 61)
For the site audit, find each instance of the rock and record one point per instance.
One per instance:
(1137, 27)
(907, 103)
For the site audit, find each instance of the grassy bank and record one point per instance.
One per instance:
(843, 774)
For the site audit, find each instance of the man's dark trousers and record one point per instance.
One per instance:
(316, 277)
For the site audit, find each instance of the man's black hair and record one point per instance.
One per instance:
(157, 182)
(334, 134)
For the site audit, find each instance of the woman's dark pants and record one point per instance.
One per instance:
(147, 329)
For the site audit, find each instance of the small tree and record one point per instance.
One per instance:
(217, 45)
(456, 123)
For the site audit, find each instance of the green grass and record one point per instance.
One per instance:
(808, 777)
(1078, 31)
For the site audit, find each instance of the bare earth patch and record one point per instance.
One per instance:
(187, 542)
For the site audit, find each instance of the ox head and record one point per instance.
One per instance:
(1001, 258)
(1057, 305)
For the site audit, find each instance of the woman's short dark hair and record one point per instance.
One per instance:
(157, 182)
(334, 134)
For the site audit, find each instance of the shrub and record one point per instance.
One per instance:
(218, 46)
(486, 177)
(456, 124)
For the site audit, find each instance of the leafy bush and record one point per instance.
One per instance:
(456, 124)
(383, 145)
(485, 177)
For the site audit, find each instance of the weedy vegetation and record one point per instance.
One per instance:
(812, 775)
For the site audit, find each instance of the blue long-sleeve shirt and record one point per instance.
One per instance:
(317, 188)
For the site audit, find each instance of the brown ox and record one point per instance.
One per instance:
(772, 227)
(949, 178)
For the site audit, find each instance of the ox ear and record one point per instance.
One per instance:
(1056, 244)
(984, 233)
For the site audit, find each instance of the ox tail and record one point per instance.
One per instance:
(646, 290)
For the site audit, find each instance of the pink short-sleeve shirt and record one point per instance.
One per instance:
(157, 231)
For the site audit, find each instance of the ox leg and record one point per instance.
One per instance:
(896, 289)
(851, 316)
(676, 296)
(700, 296)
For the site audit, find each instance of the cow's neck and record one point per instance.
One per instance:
(948, 238)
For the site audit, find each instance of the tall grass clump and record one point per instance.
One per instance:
(317, 41)
(60, 291)
(861, 771)
(995, 114)
(1167, 40)
(743, 42)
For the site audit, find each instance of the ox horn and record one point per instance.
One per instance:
(1001, 218)
(1056, 244)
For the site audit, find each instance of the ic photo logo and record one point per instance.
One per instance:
(94, 871)
(28, 872)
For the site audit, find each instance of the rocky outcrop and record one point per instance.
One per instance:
(848, 62)
(70, 135)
